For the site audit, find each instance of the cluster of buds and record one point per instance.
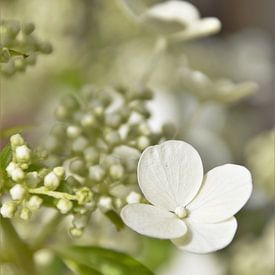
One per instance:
(98, 138)
(19, 47)
(89, 160)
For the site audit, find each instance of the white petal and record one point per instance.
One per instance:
(224, 192)
(170, 174)
(179, 11)
(205, 238)
(151, 221)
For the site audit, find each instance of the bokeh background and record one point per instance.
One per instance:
(96, 41)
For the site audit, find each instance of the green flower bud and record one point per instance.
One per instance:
(105, 203)
(88, 120)
(84, 195)
(78, 166)
(25, 214)
(28, 28)
(142, 142)
(112, 138)
(32, 179)
(34, 203)
(113, 120)
(76, 232)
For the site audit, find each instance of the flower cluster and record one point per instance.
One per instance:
(91, 151)
(19, 47)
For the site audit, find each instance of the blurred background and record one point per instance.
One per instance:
(96, 41)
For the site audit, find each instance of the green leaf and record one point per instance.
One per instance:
(81, 269)
(105, 261)
(5, 158)
(115, 219)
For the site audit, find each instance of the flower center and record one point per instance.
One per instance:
(181, 212)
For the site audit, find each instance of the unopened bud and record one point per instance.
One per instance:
(16, 140)
(133, 197)
(51, 181)
(34, 202)
(73, 131)
(116, 171)
(22, 153)
(8, 209)
(96, 173)
(17, 192)
(105, 203)
(64, 205)
(25, 214)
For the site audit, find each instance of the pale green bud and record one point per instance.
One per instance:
(91, 155)
(88, 120)
(143, 142)
(34, 203)
(76, 232)
(73, 131)
(25, 214)
(80, 144)
(80, 221)
(78, 166)
(8, 209)
(64, 206)
(28, 28)
(105, 203)
(84, 195)
(51, 181)
(112, 138)
(62, 113)
(32, 179)
(17, 174)
(96, 173)
(22, 153)
(133, 197)
(17, 192)
(113, 120)
(116, 171)
(11, 167)
(16, 140)
(59, 171)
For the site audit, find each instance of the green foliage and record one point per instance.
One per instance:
(5, 158)
(115, 219)
(104, 261)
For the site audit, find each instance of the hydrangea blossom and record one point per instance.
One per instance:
(196, 212)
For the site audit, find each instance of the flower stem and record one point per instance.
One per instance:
(54, 194)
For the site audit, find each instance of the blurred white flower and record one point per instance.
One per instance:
(179, 18)
(195, 212)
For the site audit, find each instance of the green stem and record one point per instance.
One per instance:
(19, 250)
(54, 194)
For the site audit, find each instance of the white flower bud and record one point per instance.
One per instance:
(11, 167)
(34, 202)
(64, 205)
(112, 137)
(51, 181)
(105, 203)
(143, 142)
(91, 155)
(133, 197)
(32, 179)
(22, 153)
(80, 221)
(88, 120)
(116, 171)
(16, 140)
(80, 144)
(76, 232)
(17, 192)
(96, 172)
(17, 174)
(59, 171)
(73, 131)
(25, 214)
(8, 209)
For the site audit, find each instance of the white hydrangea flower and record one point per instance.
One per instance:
(180, 19)
(195, 212)
(183, 18)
